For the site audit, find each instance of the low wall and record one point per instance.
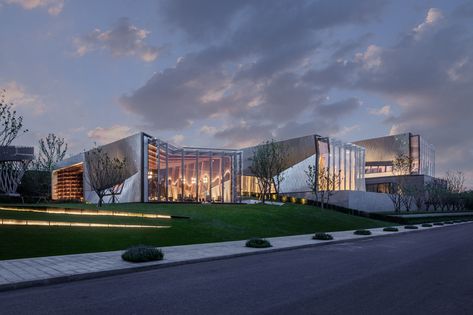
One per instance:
(356, 200)
(362, 200)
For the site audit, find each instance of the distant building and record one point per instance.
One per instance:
(381, 152)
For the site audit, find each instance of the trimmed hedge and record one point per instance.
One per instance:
(142, 253)
(411, 227)
(426, 225)
(390, 229)
(258, 243)
(362, 232)
(322, 237)
(438, 223)
(448, 222)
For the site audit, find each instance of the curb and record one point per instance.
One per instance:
(164, 264)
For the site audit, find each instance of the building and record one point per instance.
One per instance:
(381, 152)
(345, 160)
(159, 171)
(14, 162)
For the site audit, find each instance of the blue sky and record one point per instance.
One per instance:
(234, 73)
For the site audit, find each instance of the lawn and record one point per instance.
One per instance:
(206, 223)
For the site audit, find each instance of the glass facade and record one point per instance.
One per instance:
(381, 152)
(345, 161)
(192, 174)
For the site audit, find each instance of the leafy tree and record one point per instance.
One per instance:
(106, 175)
(52, 150)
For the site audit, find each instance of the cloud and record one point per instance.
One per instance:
(250, 68)
(22, 100)
(54, 6)
(123, 39)
(434, 16)
(382, 111)
(465, 10)
(340, 108)
(103, 135)
(208, 130)
(427, 78)
(177, 139)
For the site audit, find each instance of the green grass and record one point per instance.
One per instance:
(436, 219)
(207, 223)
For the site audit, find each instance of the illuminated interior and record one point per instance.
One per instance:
(192, 174)
(67, 183)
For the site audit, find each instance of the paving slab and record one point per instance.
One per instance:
(20, 273)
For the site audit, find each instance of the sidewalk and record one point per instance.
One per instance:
(20, 273)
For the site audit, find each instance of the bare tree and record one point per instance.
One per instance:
(395, 195)
(455, 187)
(419, 195)
(434, 191)
(106, 175)
(399, 192)
(322, 183)
(10, 124)
(279, 164)
(267, 165)
(408, 196)
(12, 169)
(52, 150)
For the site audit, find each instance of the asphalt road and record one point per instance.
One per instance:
(428, 272)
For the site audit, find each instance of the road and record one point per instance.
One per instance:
(429, 272)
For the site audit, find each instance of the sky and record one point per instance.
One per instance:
(225, 73)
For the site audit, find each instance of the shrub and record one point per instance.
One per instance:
(258, 243)
(448, 222)
(438, 223)
(426, 225)
(142, 253)
(457, 221)
(362, 232)
(411, 227)
(322, 237)
(391, 229)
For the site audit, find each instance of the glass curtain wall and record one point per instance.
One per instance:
(192, 174)
(344, 162)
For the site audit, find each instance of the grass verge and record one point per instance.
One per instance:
(207, 223)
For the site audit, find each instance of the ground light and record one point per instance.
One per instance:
(76, 224)
(89, 212)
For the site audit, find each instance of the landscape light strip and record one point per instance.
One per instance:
(76, 224)
(90, 212)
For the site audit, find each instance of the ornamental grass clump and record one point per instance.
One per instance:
(411, 227)
(142, 253)
(258, 243)
(322, 237)
(390, 229)
(362, 232)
